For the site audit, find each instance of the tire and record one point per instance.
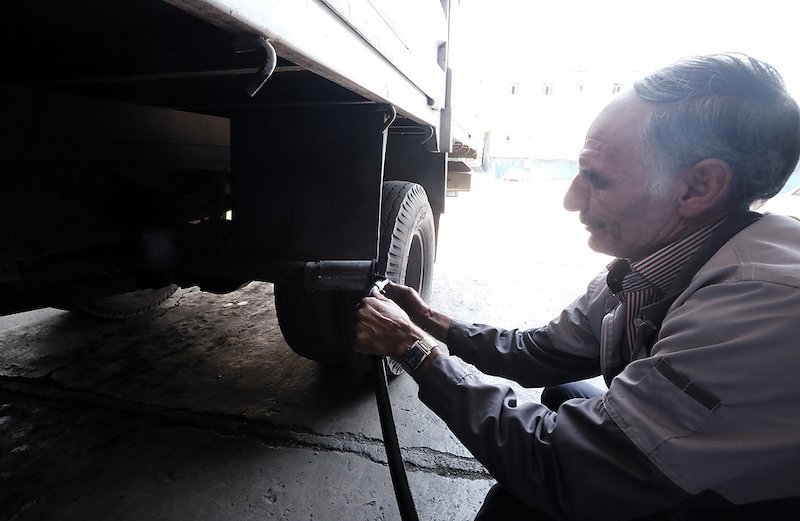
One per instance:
(318, 324)
(408, 237)
(124, 305)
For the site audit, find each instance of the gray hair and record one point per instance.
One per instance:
(726, 106)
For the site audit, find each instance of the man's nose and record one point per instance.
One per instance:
(577, 197)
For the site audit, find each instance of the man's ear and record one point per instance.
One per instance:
(705, 186)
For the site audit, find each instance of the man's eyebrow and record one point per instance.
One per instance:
(595, 178)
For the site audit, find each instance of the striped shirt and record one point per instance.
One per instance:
(646, 281)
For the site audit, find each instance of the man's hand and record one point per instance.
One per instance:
(418, 310)
(408, 299)
(384, 328)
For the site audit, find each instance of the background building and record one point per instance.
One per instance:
(533, 75)
(535, 121)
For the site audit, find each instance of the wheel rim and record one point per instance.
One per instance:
(415, 269)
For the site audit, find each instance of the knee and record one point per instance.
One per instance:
(552, 397)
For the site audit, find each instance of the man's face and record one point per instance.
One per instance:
(611, 190)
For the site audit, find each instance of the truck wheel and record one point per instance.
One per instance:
(318, 324)
(124, 305)
(407, 236)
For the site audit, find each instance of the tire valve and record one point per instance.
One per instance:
(380, 285)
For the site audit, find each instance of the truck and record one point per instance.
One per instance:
(149, 145)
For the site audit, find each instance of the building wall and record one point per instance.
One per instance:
(543, 115)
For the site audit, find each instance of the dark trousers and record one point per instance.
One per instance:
(499, 504)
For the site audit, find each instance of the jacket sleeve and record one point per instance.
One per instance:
(565, 350)
(571, 464)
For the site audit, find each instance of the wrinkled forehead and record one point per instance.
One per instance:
(617, 129)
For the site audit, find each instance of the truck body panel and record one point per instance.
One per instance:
(352, 43)
(136, 152)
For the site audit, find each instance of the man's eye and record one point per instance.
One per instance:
(595, 180)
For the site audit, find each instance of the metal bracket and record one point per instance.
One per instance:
(355, 275)
(252, 43)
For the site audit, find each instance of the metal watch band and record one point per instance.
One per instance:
(416, 354)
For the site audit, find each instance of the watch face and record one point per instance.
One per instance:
(416, 354)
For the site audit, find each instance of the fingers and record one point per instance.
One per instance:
(382, 306)
(408, 299)
(397, 291)
(382, 327)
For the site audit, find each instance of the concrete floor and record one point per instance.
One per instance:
(201, 411)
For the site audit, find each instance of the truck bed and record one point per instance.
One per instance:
(164, 52)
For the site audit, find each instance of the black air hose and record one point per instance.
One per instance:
(405, 502)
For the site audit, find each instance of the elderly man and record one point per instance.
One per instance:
(695, 327)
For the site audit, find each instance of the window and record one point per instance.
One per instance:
(547, 89)
(513, 89)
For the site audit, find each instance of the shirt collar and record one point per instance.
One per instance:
(659, 268)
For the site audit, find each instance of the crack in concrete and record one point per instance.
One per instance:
(417, 459)
(175, 305)
(420, 459)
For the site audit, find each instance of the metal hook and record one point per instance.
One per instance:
(389, 118)
(251, 43)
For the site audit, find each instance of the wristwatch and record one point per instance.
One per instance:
(416, 354)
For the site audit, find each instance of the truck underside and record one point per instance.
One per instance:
(134, 158)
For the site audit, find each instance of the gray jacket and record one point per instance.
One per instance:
(709, 417)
